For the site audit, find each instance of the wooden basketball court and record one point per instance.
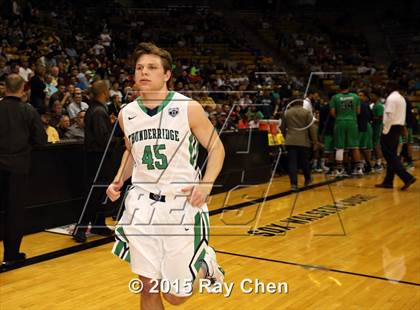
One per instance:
(361, 253)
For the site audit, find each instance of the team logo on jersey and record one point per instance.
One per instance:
(173, 112)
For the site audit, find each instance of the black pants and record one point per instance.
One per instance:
(94, 198)
(389, 144)
(298, 156)
(12, 189)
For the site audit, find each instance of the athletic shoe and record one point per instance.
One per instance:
(215, 273)
(357, 172)
(340, 173)
(294, 188)
(318, 170)
(378, 168)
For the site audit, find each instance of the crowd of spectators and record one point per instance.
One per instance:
(57, 49)
(317, 45)
(59, 62)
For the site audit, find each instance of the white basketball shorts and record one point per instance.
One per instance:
(167, 240)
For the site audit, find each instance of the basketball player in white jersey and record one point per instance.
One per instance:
(165, 221)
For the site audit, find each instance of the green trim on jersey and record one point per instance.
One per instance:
(193, 150)
(121, 247)
(201, 238)
(164, 103)
(345, 106)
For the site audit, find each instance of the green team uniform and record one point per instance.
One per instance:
(377, 125)
(346, 133)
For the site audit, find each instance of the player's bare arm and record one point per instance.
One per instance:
(205, 133)
(125, 170)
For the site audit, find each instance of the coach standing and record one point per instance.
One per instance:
(299, 130)
(98, 130)
(20, 128)
(394, 120)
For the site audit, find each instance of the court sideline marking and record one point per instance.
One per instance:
(318, 267)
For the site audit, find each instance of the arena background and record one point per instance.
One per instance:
(244, 61)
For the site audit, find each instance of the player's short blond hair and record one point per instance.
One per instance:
(147, 48)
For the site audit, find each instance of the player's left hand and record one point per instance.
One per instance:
(198, 194)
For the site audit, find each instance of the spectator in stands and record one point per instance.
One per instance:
(115, 90)
(25, 72)
(77, 130)
(37, 86)
(55, 72)
(61, 95)
(83, 81)
(245, 101)
(56, 113)
(20, 128)
(51, 132)
(266, 104)
(50, 89)
(114, 106)
(207, 102)
(77, 105)
(63, 126)
(213, 120)
(225, 122)
(253, 113)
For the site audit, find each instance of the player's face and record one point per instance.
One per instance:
(150, 74)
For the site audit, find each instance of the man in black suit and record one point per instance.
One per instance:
(98, 131)
(20, 128)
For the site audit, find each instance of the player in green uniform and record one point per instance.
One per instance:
(345, 106)
(378, 114)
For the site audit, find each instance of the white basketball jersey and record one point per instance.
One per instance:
(163, 147)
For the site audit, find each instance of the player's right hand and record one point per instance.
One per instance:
(113, 191)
